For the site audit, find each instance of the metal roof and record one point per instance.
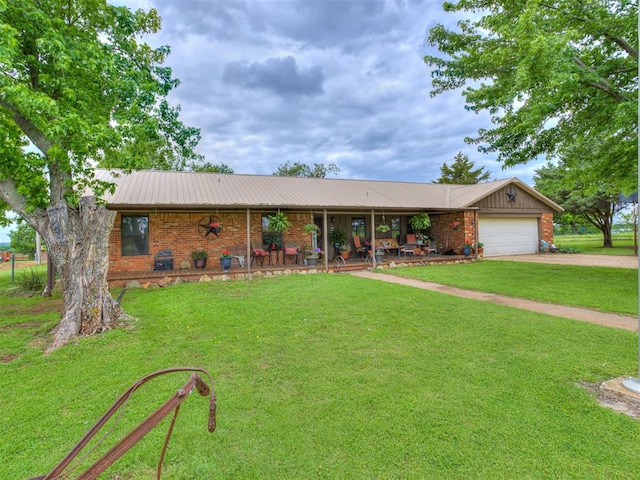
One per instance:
(193, 190)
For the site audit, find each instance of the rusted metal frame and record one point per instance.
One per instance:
(147, 425)
(139, 432)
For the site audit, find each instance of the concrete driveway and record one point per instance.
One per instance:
(620, 261)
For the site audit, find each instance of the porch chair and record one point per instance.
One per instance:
(258, 253)
(432, 248)
(413, 251)
(360, 249)
(291, 251)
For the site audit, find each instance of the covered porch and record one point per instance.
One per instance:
(155, 278)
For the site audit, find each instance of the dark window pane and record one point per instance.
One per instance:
(270, 239)
(358, 227)
(135, 235)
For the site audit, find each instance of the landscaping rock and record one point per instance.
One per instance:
(185, 264)
(164, 282)
(133, 284)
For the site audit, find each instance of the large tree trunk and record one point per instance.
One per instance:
(77, 241)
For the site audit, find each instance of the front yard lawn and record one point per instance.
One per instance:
(328, 377)
(592, 243)
(600, 288)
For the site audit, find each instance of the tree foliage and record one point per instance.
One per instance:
(211, 167)
(584, 198)
(461, 172)
(551, 73)
(298, 169)
(78, 88)
(23, 239)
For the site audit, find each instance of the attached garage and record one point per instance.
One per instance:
(508, 235)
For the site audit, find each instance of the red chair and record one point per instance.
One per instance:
(362, 251)
(291, 250)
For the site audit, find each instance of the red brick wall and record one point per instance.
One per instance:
(449, 237)
(546, 227)
(179, 232)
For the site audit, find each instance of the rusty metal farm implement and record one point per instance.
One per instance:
(61, 471)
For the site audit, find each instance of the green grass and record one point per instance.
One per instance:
(605, 289)
(592, 243)
(329, 377)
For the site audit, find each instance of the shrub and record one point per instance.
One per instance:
(32, 279)
(568, 249)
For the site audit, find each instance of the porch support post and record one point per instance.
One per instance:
(373, 237)
(475, 232)
(325, 238)
(247, 258)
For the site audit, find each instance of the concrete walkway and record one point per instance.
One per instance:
(582, 314)
(618, 261)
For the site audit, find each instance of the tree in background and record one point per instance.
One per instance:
(211, 167)
(461, 172)
(298, 169)
(23, 240)
(549, 73)
(78, 89)
(596, 201)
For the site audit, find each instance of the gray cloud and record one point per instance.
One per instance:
(278, 75)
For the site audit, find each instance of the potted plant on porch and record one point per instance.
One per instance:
(379, 255)
(466, 249)
(345, 250)
(311, 255)
(337, 237)
(225, 260)
(199, 258)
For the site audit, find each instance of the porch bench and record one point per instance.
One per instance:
(238, 253)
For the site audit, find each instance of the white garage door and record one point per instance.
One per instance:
(508, 235)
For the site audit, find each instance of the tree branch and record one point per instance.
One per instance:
(32, 132)
(9, 193)
(602, 84)
(622, 43)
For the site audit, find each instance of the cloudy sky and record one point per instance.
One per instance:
(316, 81)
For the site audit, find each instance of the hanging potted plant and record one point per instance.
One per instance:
(278, 222)
(199, 258)
(420, 222)
(310, 228)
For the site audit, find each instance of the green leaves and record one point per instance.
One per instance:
(78, 85)
(548, 72)
(461, 172)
